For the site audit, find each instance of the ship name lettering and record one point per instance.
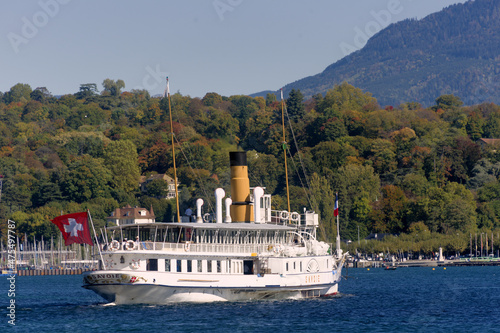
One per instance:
(312, 279)
(106, 276)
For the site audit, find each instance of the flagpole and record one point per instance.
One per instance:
(284, 151)
(96, 240)
(167, 94)
(339, 251)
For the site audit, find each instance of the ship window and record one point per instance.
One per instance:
(294, 265)
(167, 265)
(179, 265)
(301, 266)
(286, 267)
(247, 267)
(209, 266)
(152, 264)
(199, 266)
(189, 266)
(218, 266)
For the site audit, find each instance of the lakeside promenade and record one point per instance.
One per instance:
(485, 261)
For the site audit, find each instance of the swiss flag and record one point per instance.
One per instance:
(74, 228)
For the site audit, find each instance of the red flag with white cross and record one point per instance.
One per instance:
(74, 228)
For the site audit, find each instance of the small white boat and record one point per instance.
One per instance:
(252, 253)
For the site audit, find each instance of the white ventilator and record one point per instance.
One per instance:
(258, 192)
(199, 204)
(219, 195)
(229, 202)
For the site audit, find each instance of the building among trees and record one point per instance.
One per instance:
(159, 185)
(131, 215)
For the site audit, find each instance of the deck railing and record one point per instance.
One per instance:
(215, 248)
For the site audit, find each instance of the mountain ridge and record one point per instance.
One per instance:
(453, 51)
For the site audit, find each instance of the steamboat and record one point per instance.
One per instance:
(247, 251)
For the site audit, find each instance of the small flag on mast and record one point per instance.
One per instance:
(281, 93)
(336, 208)
(167, 90)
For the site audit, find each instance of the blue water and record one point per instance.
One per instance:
(458, 299)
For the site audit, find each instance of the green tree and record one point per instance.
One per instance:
(87, 90)
(448, 102)
(211, 99)
(353, 181)
(492, 125)
(122, 160)
(383, 156)
(474, 126)
(393, 207)
(113, 87)
(451, 208)
(324, 198)
(220, 124)
(257, 130)
(295, 106)
(40, 94)
(88, 114)
(18, 93)
(157, 188)
(270, 99)
(85, 179)
(16, 194)
(264, 170)
(331, 155)
(346, 97)
(46, 192)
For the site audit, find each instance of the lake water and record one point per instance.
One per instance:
(458, 299)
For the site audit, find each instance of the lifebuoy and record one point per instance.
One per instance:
(115, 245)
(134, 264)
(284, 215)
(130, 245)
(278, 249)
(295, 216)
(206, 218)
(108, 263)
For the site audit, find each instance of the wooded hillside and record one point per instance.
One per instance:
(404, 169)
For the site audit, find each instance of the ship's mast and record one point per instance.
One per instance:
(1, 185)
(173, 153)
(285, 151)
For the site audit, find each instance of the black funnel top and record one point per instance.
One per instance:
(237, 158)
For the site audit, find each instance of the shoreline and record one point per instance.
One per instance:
(426, 263)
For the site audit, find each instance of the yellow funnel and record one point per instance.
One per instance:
(241, 208)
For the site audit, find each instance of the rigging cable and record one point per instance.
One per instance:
(312, 201)
(200, 181)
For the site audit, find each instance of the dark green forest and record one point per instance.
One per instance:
(406, 170)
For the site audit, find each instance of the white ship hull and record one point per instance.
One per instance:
(115, 287)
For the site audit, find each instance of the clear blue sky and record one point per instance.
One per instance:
(225, 46)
